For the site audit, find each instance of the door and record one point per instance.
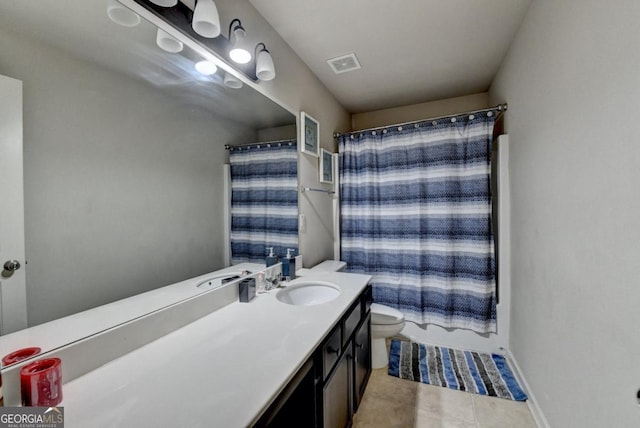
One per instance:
(13, 302)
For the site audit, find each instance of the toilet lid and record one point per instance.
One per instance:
(381, 314)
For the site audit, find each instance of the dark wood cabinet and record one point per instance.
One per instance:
(327, 390)
(296, 404)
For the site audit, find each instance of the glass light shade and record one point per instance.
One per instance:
(206, 67)
(167, 42)
(238, 53)
(231, 82)
(265, 69)
(165, 3)
(122, 15)
(206, 20)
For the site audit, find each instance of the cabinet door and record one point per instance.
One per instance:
(337, 394)
(296, 404)
(362, 363)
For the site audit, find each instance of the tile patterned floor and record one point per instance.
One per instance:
(390, 402)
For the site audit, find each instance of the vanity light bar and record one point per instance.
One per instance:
(176, 21)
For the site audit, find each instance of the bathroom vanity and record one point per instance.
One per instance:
(327, 390)
(241, 364)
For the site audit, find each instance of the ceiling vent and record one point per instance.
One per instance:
(344, 63)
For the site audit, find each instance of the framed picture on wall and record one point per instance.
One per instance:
(310, 137)
(326, 167)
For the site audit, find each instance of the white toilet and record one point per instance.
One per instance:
(385, 321)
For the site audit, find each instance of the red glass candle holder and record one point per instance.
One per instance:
(41, 383)
(19, 355)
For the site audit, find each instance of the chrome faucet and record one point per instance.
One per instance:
(273, 282)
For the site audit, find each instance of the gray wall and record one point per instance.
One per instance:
(420, 111)
(572, 81)
(123, 186)
(285, 132)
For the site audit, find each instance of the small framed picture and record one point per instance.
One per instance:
(310, 135)
(326, 167)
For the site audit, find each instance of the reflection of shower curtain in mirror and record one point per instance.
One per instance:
(416, 214)
(264, 200)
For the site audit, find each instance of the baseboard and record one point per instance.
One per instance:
(535, 409)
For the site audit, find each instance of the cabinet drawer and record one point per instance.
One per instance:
(331, 351)
(351, 322)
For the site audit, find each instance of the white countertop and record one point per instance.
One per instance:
(219, 371)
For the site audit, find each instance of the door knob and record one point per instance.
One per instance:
(11, 265)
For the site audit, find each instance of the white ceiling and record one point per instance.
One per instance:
(411, 51)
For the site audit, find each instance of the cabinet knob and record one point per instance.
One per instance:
(330, 350)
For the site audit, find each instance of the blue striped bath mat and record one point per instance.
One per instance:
(486, 374)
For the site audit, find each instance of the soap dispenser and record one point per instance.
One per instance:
(289, 265)
(272, 259)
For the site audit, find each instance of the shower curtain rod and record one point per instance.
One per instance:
(500, 107)
(288, 140)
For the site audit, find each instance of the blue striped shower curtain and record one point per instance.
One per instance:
(264, 200)
(416, 214)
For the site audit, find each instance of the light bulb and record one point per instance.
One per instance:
(241, 56)
(238, 53)
(206, 67)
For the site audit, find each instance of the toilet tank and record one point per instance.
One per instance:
(330, 266)
(385, 315)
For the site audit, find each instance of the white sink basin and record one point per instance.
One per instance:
(308, 293)
(222, 278)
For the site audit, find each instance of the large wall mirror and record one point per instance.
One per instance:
(124, 147)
